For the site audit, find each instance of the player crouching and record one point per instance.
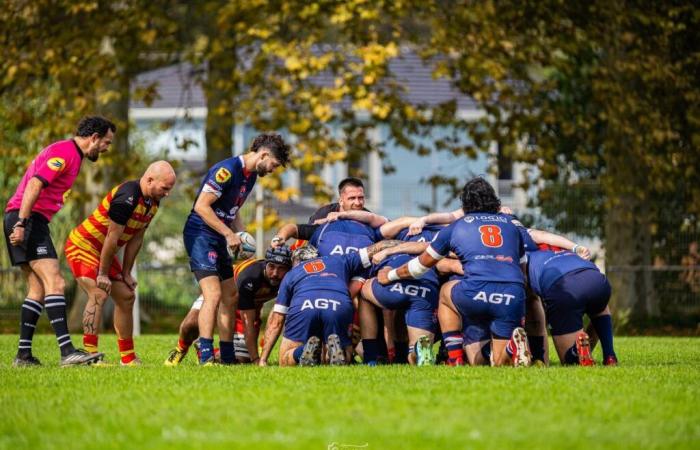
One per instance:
(257, 281)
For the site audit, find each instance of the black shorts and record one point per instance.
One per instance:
(37, 239)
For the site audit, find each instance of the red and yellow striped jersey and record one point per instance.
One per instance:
(124, 205)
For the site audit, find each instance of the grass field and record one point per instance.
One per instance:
(650, 401)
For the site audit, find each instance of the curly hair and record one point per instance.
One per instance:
(478, 196)
(273, 142)
(90, 125)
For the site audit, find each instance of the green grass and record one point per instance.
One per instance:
(650, 401)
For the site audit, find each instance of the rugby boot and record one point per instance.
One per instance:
(583, 348)
(26, 361)
(311, 356)
(611, 360)
(133, 363)
(520, 348)
(424, 352)
(80, 357)
(175, 357)
(336, 354)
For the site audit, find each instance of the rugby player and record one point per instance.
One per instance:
(315, 303)
(489, 304)
(211, 240)
(571, 287)
(120, 220)
(351, 197)
(38, 197)
(257, 281)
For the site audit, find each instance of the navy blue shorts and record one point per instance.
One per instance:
(577, 293)
(321, 315)
(418, 298)
(208, 255)
(489, 309)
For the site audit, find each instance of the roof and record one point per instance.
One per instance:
(178, 85)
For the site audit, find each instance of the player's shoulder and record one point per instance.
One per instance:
(225, 170)
(60, 155)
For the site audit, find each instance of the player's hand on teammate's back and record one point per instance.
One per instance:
(331, 217)
(383, 276)
(104, 283)
(505, 210)
(583, 252)
(129, 281)
(233, 243)
(416, 227)
(379, 257)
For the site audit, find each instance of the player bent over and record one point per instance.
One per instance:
(571, 287)
(420, 300)
(257, 281)
(39, 196)
(211, 240)
(120, 220)
(489, 304)
(315, 303)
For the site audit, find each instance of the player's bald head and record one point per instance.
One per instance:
(160, 170)
(158, 180)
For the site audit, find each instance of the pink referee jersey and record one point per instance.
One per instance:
(56, 166)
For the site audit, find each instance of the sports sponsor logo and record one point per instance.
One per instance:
(56, 164)
(222, 175)
(494, 298)
(469, 219)
(320, 303)
(42, 250)
(410, 289)
(212, 256)
(339, 250)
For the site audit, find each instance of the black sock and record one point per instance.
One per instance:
(571, 356)
(56, 310)
(370, 350)
(401, 349)
(603, 326)
(536, 344)
(29, 316)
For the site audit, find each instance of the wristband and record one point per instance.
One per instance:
(573, 250)
(21, 223)
(277, 239)
(393, 275)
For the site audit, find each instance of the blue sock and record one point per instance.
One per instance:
(227, 352)
(571, 356)
(297, 353)
(486, 352)
(536, 344)
(603, 326)
(370, 350)
(401, 349)
(206, 349)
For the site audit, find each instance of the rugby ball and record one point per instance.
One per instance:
(247, 248)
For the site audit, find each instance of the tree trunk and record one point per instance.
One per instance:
(219, 89)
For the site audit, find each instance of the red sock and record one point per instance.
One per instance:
(90, 343)
(126, 350)
(183, 346)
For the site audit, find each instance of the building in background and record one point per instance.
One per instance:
(181, 104)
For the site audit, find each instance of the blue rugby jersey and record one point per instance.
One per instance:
(489, 246)
(546, 267)
(232, 184)
(324, 274)
(343, 237)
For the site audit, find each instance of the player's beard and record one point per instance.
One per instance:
(261, 170)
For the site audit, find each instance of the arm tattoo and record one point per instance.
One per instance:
(382, 245)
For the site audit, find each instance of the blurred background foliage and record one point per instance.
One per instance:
(600, 100)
